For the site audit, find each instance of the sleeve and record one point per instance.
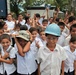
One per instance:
(12, 53)
(40, 43)
(64, 54)
(38, 57)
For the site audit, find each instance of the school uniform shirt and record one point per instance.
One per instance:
(69, 62)
(28, 26)
(9, 68)
(10, 24)
(66, 30)
(22, 22)
(66, 41)
(33, 47)
(26, 64)
(43, 41)
(50, 61)
(61, 39)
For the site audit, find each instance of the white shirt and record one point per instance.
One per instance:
(43, 41)
(66, 41)
(28, 26)
(26, 64)
(61, 39)
(10, 24)
(22, 22)
(9, 68)
(69, 62)
(50, 61)
(33, 46)
(66, 30)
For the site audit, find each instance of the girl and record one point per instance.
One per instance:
(42, 37)
(70, 62)
(7, 56)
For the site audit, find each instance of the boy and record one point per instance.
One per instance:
(63, 35)
(72, 34)
(26, 64)
(50, 58)
(70, 62)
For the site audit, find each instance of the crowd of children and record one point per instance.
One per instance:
(38, 46)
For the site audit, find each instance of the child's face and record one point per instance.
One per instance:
(9, 17)
(51, 39)
(73, 32)
(22, 42)
(1, 32)
(45, 23)
(34, 34)
(42, 35)
(5, 43)
(73, 45)
(62, 28)
(5, 26)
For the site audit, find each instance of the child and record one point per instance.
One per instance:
(50, 58)
(1, 28)
(70, 62)
(36, 42)
(26, 64)
(42, 36)
(72, 34)
(63, 35)
(7, 56)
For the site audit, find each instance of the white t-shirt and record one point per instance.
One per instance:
(50, 61)
(69, 62)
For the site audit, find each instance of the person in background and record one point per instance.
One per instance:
(63, 35)
(10, 23)
(72, 34)
(20, 19)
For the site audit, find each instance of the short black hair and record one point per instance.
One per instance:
(26, 18)
(61, 24)
(71, 18)
(72, 26)
(5, 36)
(37, 15)
(44, 20)
(23, 27)
(33, 29)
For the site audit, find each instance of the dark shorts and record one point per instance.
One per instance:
(15, 73)
(69, 73)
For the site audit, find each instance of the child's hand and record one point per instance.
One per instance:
(6, 55)
(37, 44)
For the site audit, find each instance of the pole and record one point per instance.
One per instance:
(8, 6)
